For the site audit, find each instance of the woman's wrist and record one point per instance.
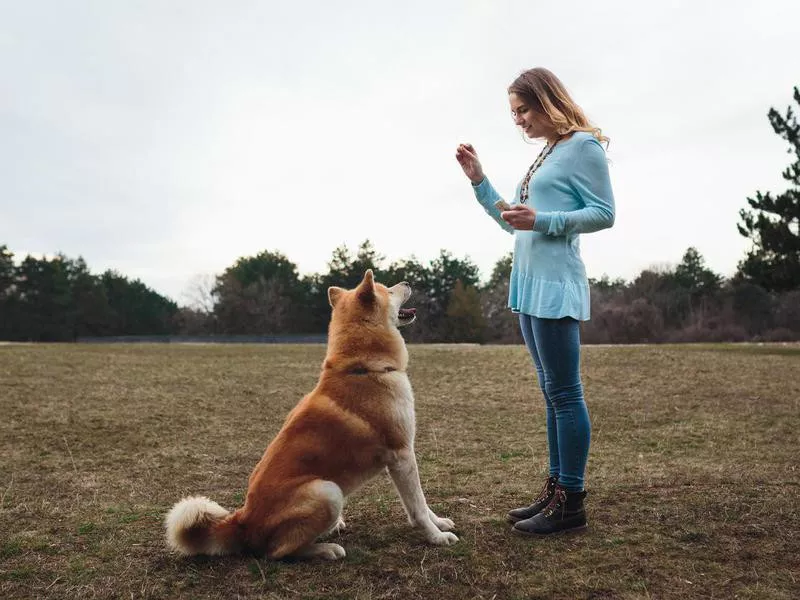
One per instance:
(477, 182)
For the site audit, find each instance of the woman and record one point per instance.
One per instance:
(565, 192)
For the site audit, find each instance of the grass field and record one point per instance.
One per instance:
(693, 475)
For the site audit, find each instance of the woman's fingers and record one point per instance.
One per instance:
(469, 151)
(465, 158)
(467, 148)
(519, 217)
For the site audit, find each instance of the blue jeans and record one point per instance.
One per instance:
(555, 345)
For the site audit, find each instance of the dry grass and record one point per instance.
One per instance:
(693, 477)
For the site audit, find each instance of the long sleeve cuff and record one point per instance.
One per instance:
(543, 222)
(487, 196)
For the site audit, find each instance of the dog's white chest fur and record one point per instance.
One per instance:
(403, 404)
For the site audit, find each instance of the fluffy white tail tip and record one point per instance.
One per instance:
(192, 516)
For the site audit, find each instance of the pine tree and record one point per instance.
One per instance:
(693, 275)
(773, 224)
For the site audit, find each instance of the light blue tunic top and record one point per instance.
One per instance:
(571, 193)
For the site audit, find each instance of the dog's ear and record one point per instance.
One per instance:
(334, 293)
(366, 289)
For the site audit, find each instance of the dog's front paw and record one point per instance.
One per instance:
(445, 538)
(444, 524)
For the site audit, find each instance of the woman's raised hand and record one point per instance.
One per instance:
(468, 159)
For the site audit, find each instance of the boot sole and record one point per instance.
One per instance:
(512, 520)
(579, 529)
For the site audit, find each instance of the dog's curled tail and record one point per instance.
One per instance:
(197, 525)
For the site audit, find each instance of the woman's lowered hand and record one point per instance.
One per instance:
(521, 216)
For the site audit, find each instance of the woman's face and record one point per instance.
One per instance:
(533, 124)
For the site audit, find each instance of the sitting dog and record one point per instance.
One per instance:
(357, 421)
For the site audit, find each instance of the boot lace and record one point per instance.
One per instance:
(548, 488)
(559, 501)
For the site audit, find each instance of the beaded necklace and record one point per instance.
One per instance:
(523, 192)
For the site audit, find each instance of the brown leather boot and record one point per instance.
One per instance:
(564, 513)
(539, 503)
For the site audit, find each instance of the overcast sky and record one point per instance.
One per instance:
(166, 139)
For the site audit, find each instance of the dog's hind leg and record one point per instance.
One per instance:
(315, 509)
(324, 550)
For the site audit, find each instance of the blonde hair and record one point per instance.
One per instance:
(546, 94)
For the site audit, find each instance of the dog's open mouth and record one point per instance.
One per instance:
(406, 316)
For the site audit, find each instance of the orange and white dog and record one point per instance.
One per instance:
(357, 421)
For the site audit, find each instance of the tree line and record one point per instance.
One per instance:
(685, 303)
(58, 299)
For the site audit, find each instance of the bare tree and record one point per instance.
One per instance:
(199, 292)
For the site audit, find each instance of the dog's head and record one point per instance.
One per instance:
(372, 302)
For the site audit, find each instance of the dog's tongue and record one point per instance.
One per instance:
(407, 312)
